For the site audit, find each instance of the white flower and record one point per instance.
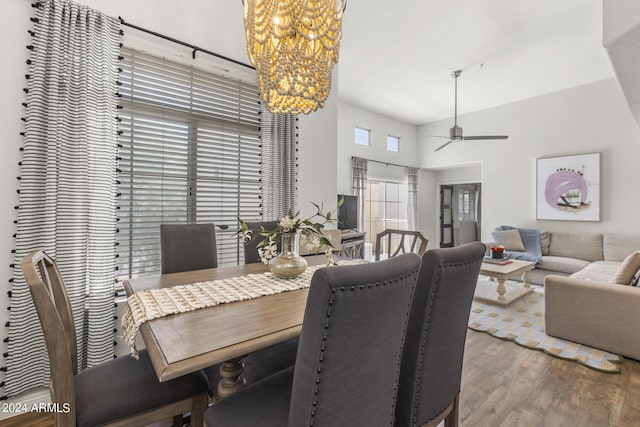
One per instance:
(329, 254)
(289, 224)
(269, 250)
(246, 235)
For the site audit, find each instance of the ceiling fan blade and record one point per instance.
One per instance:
(438, 136)
(443, 145)
(479, 137)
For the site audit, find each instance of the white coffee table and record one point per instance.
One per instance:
(505, 293)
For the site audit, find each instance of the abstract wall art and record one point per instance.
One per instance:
(569, 188)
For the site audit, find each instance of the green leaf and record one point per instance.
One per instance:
(326, 242)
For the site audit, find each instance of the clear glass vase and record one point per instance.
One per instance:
(288, 264)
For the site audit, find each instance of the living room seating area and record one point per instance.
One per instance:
(590, 285)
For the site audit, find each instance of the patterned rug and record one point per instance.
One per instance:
(523, 323)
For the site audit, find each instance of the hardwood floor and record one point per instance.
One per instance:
(505, 385)
(29, 419)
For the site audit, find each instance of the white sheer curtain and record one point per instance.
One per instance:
(359, 175)
(412, 201)
(279, 165)
(67, 203)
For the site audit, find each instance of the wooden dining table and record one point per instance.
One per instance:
(186, 342)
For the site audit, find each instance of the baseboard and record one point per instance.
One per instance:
(22, 403)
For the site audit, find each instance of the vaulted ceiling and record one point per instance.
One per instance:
(396, 57)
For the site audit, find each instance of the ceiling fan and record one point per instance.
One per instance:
(455, 133)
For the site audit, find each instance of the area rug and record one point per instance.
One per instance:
(523, 323)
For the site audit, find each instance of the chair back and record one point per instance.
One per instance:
(56, 319)
(400, 241)
(186, 247)
(251, 247)
(434, 347)
(350, 346)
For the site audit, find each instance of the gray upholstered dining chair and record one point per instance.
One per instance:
(264, 362)
(348, 361)
(186, 247)
(120, 392)
(431, 367)
(251, 247)
(393, 242)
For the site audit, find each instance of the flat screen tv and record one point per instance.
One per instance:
(348, 213)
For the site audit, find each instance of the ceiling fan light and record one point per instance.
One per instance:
(455, 132)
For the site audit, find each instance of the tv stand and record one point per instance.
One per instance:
(353, 244)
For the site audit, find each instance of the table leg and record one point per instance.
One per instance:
(525, 279)
(501, 288)
(232, 380)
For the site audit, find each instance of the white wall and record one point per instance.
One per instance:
(215, 26)
(428, 213)
(459, 174)
(584, 119)
(351, 116)
(13, 42)
(618, 18)
(317, 180)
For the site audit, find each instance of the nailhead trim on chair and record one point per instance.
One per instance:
(326, 328)
(426, 332)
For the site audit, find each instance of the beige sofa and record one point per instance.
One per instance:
(588, 255)
(580, 304)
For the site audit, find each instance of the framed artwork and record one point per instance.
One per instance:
(568, 188)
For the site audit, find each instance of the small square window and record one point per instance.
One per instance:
(393, 143)
(362, 136)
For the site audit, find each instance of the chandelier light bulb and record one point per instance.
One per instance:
(294, 45)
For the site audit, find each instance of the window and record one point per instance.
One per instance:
(385, 207)
(393, 143)
(362, 136)
(190, 152)
(466, 204)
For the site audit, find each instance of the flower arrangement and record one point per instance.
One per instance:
(497, 251)
(312, 228)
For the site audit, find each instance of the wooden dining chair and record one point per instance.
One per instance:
(186, 247)
(120, 392)
(431, 367)
(393, 242)
(346, 371)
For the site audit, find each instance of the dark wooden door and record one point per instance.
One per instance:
(446, 216)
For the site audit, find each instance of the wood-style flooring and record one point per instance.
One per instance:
(505, 385)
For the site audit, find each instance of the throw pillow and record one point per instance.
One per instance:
(510, 239)
(545, 241)
(627, 269)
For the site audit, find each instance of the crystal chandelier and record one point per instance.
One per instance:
(293, 44)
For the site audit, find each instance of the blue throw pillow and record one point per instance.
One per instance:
(531, 240)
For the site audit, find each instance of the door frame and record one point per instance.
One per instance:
(437, 204)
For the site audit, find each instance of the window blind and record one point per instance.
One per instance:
(190, 151)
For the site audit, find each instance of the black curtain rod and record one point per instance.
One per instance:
(180, 42)
(384, 163)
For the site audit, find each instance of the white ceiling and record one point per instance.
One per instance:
(396, 57)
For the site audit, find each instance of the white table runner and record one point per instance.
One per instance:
(152, 304)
